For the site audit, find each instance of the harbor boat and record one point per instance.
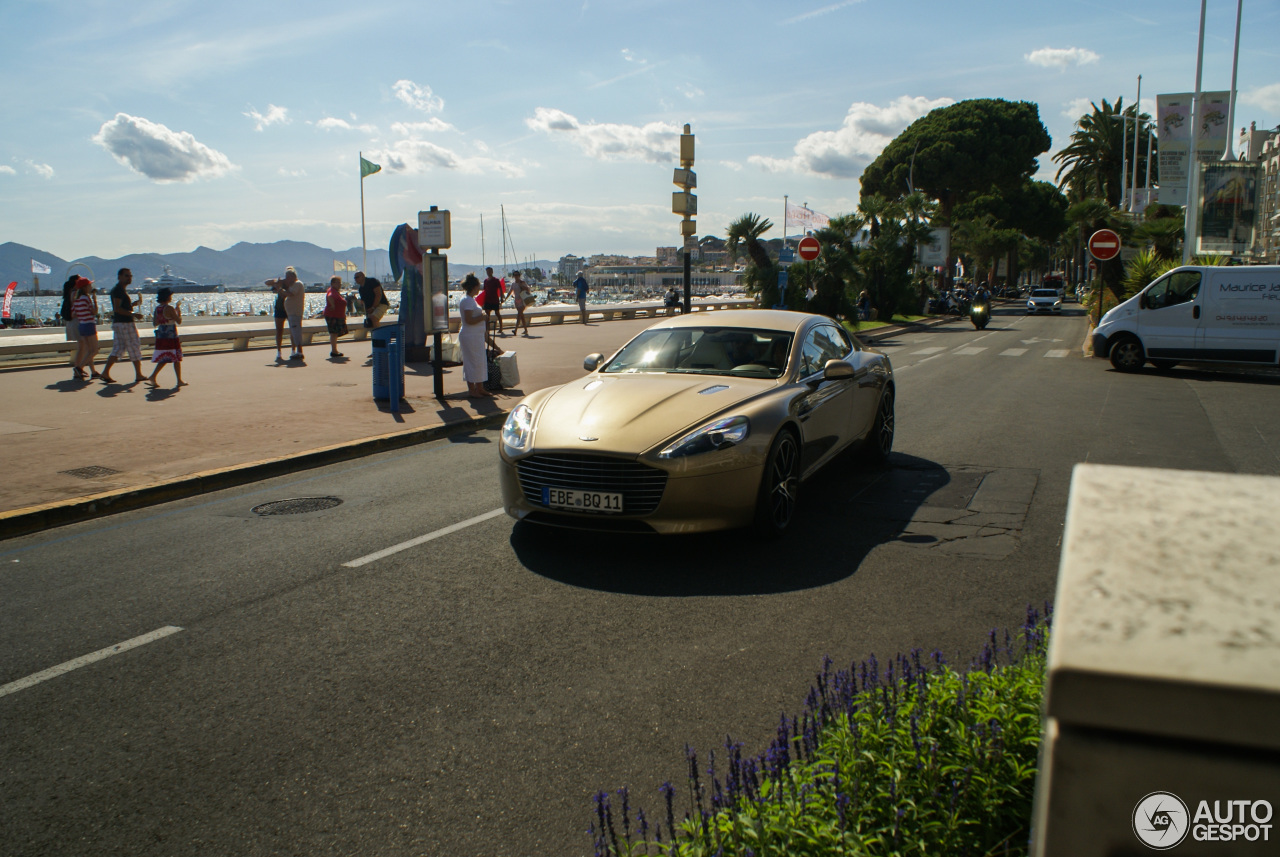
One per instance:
(179, 285)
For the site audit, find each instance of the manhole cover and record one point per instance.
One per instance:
(89, 472)
(296, 506)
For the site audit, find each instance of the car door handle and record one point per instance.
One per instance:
(1195, 312)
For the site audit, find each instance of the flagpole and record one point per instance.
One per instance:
(784, 221)
(364, 259)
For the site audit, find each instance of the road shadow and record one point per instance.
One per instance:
(70, 385)
(115, 388)
(845, 511)
(1267, 376)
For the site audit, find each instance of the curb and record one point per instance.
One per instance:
(33, 519)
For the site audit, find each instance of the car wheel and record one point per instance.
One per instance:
(879, 442)
(1127, 354)
(780, 486)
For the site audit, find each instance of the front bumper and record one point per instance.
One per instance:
(1098, 341)
(690, 504)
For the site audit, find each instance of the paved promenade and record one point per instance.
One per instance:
(73, 450)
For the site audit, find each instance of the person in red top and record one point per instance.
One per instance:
(335, 314)
(493, 295)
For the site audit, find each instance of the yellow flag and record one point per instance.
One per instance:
(338, 266)
(351, 266)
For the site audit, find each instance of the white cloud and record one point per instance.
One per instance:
(822, 11)
(732, 165)
(409, 129)
(44, 171)
(1060, 58)
(866, 130)
(292, 174)
(1264, 97)
(160, 154)
(691, 91)
(1078, 107)
(418, 97)
(274, 116)
(421, 156)
(331, 123)
(656, 142)
(7, 171)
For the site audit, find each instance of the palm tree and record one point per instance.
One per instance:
(747, 229)
(1092, 162)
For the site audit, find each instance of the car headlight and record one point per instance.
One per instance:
(1057, 303)
(515, 431)
(720, 434)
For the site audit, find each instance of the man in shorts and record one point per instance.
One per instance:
(374, 299)
(124, 332)
(493, 295)
(292, 298)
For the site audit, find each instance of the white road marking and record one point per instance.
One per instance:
(452, 528)
(970, 350)
(1013, 352)
(1058, 352)
(929, 350)
(68, 666)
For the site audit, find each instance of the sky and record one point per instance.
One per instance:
(163, 125)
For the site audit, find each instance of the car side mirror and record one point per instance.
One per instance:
(834, 370)
(592, 362)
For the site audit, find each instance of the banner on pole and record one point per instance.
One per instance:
(1173, 118)
(338, 266)
(8, 299)
(806, 218)
(351, 266)
(937, 249)
(40, 268)
(1228, 208)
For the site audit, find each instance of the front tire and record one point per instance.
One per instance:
(1127, 354)
(780, 486)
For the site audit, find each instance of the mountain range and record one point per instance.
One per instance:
(243, 265)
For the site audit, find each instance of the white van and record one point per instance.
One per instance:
(1196, 314)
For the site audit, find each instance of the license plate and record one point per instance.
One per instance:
(581, 501)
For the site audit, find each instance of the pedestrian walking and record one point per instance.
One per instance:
(335, 314)
(294, 295)
(68, 320)
(493, 295)
(521, 296)
(374, 299)
(124, 332)
(84, 309)
(471, 340)
(168, 348)
(580, 288)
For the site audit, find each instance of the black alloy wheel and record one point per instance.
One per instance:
(780, 487)
(1127, 354)
(880, 441)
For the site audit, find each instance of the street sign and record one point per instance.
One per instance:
(786, 256)
(1104, 244)
(808, 248)
(433, 230)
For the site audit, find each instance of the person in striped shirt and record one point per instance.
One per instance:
(84, 309)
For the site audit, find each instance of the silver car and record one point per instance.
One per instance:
(1044, 300)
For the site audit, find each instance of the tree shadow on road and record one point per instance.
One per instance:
(832, 534)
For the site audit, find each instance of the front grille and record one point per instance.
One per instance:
(639, 484)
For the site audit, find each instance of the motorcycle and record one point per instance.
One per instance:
(980, 314)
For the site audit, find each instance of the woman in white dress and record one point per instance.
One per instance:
(471, 341)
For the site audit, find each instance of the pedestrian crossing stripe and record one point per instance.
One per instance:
(972, 349)
(928, 350)
(1013, 352)
(1058, 352)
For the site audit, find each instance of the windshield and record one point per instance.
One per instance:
(1044, 293)
(705, 351)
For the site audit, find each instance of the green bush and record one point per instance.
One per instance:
(924, 760)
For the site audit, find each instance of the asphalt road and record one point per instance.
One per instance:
(467, 694)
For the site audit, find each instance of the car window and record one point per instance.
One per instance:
(1177, 288)
(705, 350)
(1044, 293)
(825, 342)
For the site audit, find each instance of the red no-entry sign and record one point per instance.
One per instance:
(808, 248)
(1104, 244)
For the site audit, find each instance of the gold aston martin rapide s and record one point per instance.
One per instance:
(701, 422)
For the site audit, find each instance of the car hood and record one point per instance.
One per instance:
(631, 413)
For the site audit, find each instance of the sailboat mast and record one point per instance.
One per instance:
(482, 239)
(503, 213)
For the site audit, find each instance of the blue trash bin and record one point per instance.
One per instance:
(388, 361)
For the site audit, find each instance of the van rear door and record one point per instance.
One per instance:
(1241, 321)
(1169, 316)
